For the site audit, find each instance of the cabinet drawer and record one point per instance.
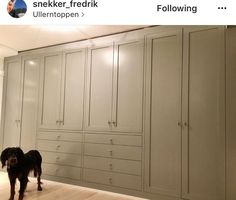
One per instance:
(113, 151)
(114, 139)
(61, 171)
(61, 158)
(74, 137)
(113, 179)
(113, 165)
(59, 146)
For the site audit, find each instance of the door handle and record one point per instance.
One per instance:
(180, 124)
(110, 166)
(186, 124)
(17, 122)
(114, 123)
(109, 123)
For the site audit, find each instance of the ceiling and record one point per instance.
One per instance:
(21, 38)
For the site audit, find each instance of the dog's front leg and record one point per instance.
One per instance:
(23, 184)
(12, 183)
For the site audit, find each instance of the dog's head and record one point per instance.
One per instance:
(11, 156)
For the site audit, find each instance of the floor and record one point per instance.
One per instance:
(58, 191)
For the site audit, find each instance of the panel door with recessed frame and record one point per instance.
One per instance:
(11, 115)
(163, 113)
(127, 109)
(72, 91)
(99, 88)
(29, 114)
(203, 137)
(50, 91)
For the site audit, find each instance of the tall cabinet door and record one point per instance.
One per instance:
(128, 83)
(12, 88)
(99, 93)
(204, 114)
(163, 114)
(29, 113)
(50, 91)
(73, 90)
(231, 112)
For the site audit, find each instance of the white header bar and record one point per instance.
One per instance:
(117, 12)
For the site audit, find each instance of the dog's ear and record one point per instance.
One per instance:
(4, 156)
(19, 151)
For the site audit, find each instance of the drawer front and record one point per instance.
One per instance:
(113, 179)
(61, 171)
(59, 146)
(113, 165)
(61, 158)
(74, 137)
(114, 139)
(113, 151)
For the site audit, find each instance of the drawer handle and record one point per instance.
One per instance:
(111, 166)
(57, 158)
(111, 152)
(109, 123)
(57, 170)
(110, 180)
(114, 123)
(58, 147)
(111, 141)
(58, 137)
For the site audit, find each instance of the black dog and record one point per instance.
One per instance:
(19, 166)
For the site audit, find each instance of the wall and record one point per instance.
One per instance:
(1, 83)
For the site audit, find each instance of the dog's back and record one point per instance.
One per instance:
(35, 160)
(34, 156)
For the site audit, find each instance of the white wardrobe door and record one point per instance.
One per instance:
(100, 88)
(165, 111)
(29, 104)
(127, 112)
(51, 91)
(12, 106)
(72, 107)
(231, 112)
(204, 169)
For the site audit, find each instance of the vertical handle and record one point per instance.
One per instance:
(186, 124)
(114, 123)
(111, 152)
(109, 123)
(110, 166)
(180, 124)
(16, 121)
(111, 141)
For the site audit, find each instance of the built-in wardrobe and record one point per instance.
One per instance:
(148, 112)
